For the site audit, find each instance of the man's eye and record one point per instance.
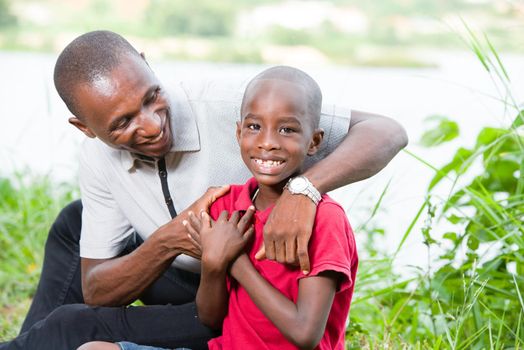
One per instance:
(124, 122)
(154, 96)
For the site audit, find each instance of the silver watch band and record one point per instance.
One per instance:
(304, 187)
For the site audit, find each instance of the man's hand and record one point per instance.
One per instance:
(173, 235)
(288, 229)
(220, 241)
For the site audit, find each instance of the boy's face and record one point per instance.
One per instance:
(276, 133)
(126, 109)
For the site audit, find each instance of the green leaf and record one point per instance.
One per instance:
(519, 120)
(459, 164)
(452, 236)
(443, 130)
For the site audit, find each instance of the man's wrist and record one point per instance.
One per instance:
(300, 185)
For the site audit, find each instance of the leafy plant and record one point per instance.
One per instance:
(479, 285)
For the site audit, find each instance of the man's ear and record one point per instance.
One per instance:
(316, 140)
(82, 127)
(239, 129)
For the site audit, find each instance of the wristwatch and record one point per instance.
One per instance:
(301, 185)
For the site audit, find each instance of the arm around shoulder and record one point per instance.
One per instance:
(370, 144)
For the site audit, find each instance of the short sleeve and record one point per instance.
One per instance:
(105, 229)
(332, 245)
(334, 120)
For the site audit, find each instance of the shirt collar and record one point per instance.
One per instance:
(243, 200)
(183, 126)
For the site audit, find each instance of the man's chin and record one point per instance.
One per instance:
(149, 150)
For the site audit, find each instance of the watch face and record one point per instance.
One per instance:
(298, 184)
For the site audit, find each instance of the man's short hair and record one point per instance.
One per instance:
(87, 58)
(293, 75)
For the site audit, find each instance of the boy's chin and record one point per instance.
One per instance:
(271, 180)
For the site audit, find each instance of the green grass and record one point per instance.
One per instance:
(28, 206)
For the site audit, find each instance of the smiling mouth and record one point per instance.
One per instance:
(156, 139)
(268, 163)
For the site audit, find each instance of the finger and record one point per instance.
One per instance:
(246, 219)
(206, 220)
(280, 251)
(291, 249)
(249, 233)
(194, 221)
(223, 216)
(261, 254)
(234, 217)
(303, 257)
(270, 250)
(193, 234)
(216, 192)
(197, 245)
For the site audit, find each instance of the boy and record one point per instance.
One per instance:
(264, 304)
(273, 305)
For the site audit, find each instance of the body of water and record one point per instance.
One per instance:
(36, 137)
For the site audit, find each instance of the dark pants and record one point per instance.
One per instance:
(58, 319)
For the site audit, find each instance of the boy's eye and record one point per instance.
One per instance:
(286, 130)
(253, 127)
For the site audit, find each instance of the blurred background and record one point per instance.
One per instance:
(445, 69)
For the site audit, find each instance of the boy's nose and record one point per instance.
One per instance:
(268, 141)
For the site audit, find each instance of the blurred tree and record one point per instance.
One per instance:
(6, 18)
(206, 18)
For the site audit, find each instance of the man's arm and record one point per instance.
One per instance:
(121, 280)
(372, 141)
(302, 323)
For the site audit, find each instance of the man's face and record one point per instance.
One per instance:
(127, 109)
(276, 133)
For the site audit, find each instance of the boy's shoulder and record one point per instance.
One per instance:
(328, 207)
(237, 198)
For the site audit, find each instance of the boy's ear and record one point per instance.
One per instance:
(316, 140)
(82, 127)
(239, 129)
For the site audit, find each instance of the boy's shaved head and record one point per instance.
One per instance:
(86, 59)
(298, 77)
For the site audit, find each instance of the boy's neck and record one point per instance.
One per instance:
(267, 196)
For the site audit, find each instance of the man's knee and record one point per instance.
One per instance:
(68, 223)
(68, 318)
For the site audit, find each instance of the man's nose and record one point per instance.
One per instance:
(150, 124)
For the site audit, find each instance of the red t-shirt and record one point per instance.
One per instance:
(332, 247)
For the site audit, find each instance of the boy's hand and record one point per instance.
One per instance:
(176, 234)
(220, 241)
(288, 230)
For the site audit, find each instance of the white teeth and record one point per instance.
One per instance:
(268, 163)
(156, 139)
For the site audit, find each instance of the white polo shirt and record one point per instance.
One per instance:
(122, 194)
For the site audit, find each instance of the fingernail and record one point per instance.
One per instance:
(252, 207)
(184, 222)
(305, 272)
(190, 213)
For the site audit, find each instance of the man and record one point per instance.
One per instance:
(146, 160)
